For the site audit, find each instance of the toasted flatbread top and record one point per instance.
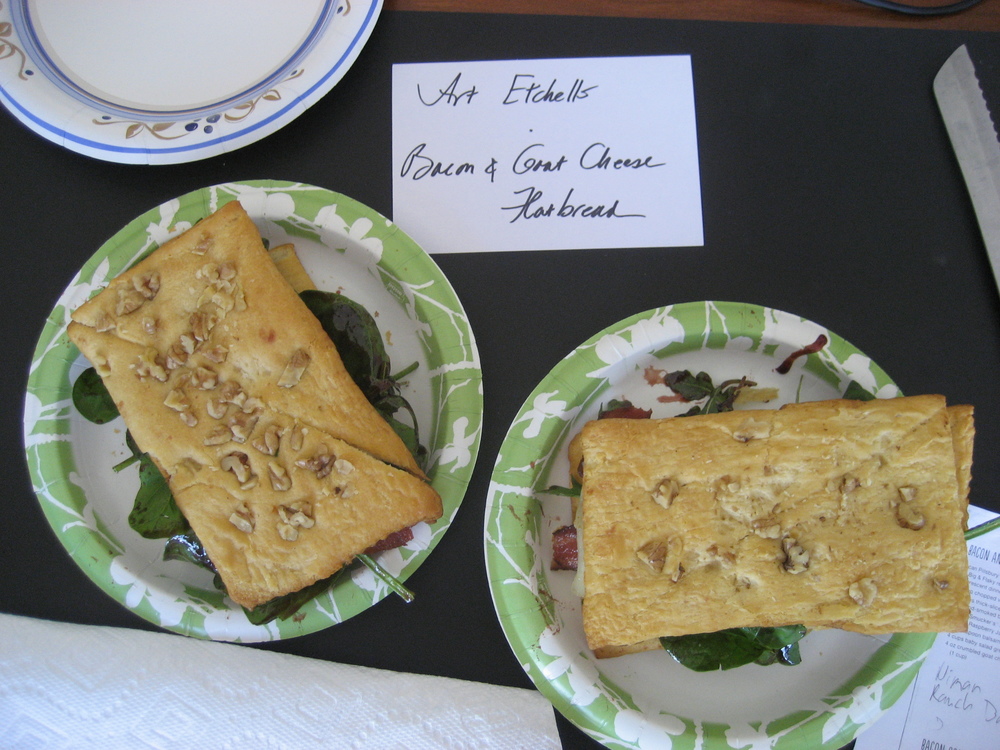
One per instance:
(231, 385)
(839, 513)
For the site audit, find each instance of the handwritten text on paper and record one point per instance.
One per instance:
(546, 154)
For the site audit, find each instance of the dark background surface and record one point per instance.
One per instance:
(829, 189)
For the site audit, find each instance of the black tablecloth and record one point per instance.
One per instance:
(829, 188)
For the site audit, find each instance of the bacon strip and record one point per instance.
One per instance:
(814, 347)
(564, 549)
(395, 539)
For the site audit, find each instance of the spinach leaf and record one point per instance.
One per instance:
(155, 514)
(283, 607)
(734, 647)
(571, 491)
(408, 434)
(701, 388)
(355, 334)
(187, 546)
(91, 398)
(858, 392)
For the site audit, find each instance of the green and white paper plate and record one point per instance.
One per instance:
(345, 247)
(648, 700)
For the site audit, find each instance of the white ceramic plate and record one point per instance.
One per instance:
(344, 246)
(152, 82)
(648, 700)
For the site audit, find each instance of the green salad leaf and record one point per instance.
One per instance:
(283, 607)
(700, 387)
(155, 514)
(356, 335)
(91, 398)
(858, 392)
(186, 545)
(734, 647)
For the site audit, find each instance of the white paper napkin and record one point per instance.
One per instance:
(77, 686)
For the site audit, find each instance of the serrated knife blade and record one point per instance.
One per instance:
(974, 139)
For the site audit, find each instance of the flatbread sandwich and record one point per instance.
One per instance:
(279, 463)
(834, 514)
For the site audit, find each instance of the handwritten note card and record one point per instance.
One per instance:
(546, 154)
(954, 702)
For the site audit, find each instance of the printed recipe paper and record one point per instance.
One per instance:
(954, 702)
(546, 154)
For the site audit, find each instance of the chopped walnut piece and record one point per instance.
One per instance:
(215, 408)
(129, 300)
(176, 356)
(280, 481)
(252, 405)
(268, 441)
(176, 400)
(295, 369)
(663, 556)
(204, 245)
(216, 354)
(343, 466)
(147, 285)
(204, 378)
(227, 270)
(224, 300)
(232, 392)
(768, 530)
(239, 464)
(863, 592)
(321, 463)
(752, 429)
(218, 436)
(242, 519)
(653, 555)
(202, 322)
(796, 556)
(666, 491)
(149, 326)
(104, 323)
(288, 532)
(909, 517)
(297, 438)
(209, 272)
(102, 365)
(188, 418)
(242, 425)
(294, 516)
(150, 365)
